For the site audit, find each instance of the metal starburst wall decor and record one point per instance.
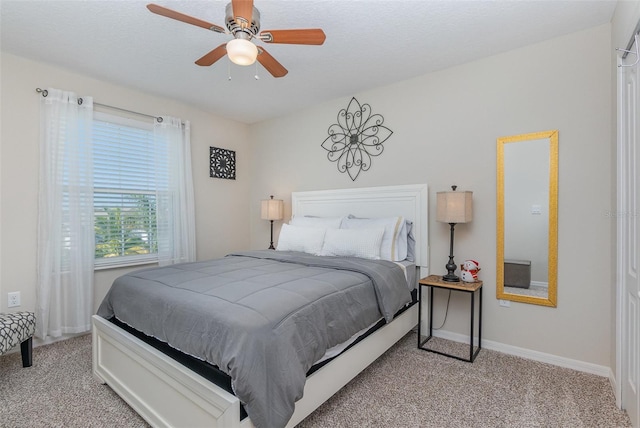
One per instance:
(356, 137)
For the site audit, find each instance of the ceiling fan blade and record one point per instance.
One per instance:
(213, 56)
(184, 18)
(243, 12)
(309, 36)
(274, 67)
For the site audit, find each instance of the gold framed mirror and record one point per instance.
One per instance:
(527, 218)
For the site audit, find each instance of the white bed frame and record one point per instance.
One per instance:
(167, 394)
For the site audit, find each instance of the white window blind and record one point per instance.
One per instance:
(129, 171)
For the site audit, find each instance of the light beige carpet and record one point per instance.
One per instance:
(406, 387)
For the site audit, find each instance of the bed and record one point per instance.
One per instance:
(167, 393)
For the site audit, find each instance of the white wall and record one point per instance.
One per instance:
(445, 127)
(221, 209)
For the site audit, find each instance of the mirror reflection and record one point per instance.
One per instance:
(527, 218)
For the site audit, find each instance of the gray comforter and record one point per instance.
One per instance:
(262, 317)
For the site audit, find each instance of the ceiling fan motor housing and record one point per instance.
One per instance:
(241, 30)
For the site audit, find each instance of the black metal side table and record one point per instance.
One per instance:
(435, 281)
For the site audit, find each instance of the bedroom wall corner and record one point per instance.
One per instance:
(445, 127)
(221, 206)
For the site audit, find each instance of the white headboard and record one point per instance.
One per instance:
(410, 201)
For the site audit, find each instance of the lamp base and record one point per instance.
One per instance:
(451, 278)
(451, 265)
(271, 247)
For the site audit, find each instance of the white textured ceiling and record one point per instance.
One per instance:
(369, 43)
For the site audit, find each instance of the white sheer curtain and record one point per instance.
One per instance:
(175, 206)
(65, 215)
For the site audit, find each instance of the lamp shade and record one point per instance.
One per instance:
(242, 52)
(272, 209)
(454, 207)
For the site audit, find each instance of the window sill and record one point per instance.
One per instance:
(123, 262)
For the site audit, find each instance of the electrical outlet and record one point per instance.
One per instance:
(505, 303)
(13, 299)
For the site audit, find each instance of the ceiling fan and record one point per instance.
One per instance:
(243, 22)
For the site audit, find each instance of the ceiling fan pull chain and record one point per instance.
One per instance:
(229, 70)
(256, 75)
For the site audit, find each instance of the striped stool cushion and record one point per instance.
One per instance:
(15, 328)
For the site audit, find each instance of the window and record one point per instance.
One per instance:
(129, 172)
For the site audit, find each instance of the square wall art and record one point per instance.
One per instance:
(222, 163)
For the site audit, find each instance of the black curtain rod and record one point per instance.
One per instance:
(44, 93)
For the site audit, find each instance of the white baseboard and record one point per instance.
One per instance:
(532, 355)
(39, 342)
(48, 340)
(542, 357)
(614, 386)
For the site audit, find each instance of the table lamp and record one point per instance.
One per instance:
(272, 209)
(454, 207)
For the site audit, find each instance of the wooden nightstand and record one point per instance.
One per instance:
(435, 281)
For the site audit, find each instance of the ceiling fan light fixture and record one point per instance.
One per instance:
(242, 51)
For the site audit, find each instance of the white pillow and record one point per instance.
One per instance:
(321, 222)
(363, 243)
(304, 239)
(411, 242)
(394, 241)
